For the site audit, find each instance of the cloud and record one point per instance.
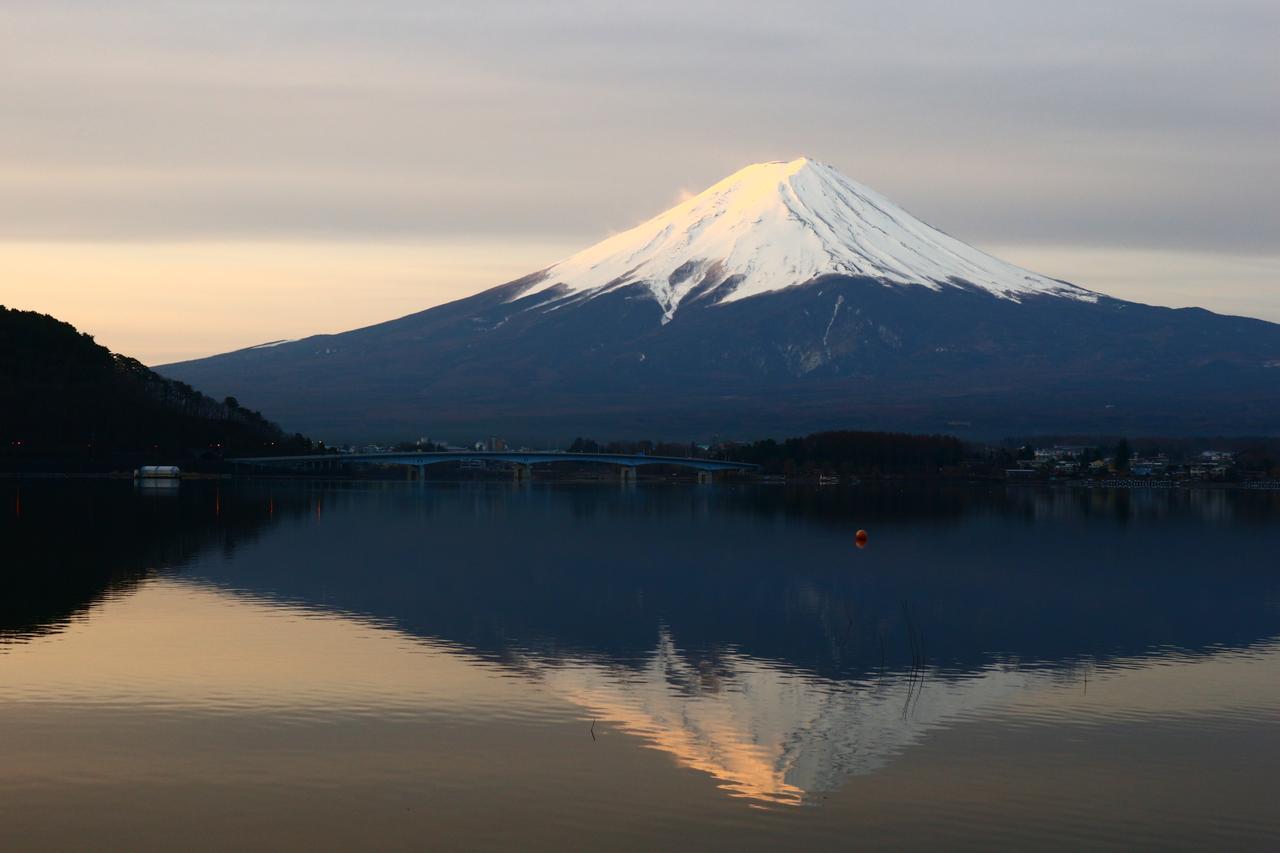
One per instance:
(1139, 123)
(1141, 127)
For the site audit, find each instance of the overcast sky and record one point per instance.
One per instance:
(181, 178)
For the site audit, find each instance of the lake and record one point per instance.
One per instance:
(347, 665)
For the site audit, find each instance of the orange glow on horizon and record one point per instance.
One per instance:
(165, 302)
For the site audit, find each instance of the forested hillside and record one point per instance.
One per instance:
(63, 396)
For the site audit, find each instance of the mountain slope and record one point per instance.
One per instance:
(63, 396)
(785, 297)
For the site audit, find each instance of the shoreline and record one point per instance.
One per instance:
(1114, 484)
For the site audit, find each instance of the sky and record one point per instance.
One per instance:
(184, 178)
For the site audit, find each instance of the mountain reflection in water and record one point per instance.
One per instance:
(737, 630)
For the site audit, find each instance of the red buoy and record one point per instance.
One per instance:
(861, 538)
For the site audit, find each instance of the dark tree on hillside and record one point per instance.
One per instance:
(855, 453)
(1123, 455)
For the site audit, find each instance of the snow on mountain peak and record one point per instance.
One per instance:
(774, 225)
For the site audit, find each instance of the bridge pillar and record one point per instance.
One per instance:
(522, 472)
(705, 477)
(627, 473)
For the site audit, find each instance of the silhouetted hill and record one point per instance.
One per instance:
(63, 396)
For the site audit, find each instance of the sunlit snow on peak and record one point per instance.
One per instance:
(774, 225)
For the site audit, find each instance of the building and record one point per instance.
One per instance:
(1150, 467)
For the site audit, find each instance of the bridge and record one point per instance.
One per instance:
(521, 461)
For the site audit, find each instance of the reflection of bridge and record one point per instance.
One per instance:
(521, 461)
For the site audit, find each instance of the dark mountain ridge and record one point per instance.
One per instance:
(63, 396)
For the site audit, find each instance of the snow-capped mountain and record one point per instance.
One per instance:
(775, 225)
(786, 298)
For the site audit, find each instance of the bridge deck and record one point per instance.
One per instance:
(516, 457)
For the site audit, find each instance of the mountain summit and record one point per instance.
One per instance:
(784, 299)
(775, 225)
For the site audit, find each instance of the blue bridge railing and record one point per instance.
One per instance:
(514, 457)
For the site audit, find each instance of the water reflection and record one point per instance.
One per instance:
(737, 631)
(769, 734)
(596, 572)
(67, 545)
(172, 644)
(779, 737)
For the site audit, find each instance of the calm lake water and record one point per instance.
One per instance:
(407, 666)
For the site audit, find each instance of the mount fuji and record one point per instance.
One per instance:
(785, 298)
